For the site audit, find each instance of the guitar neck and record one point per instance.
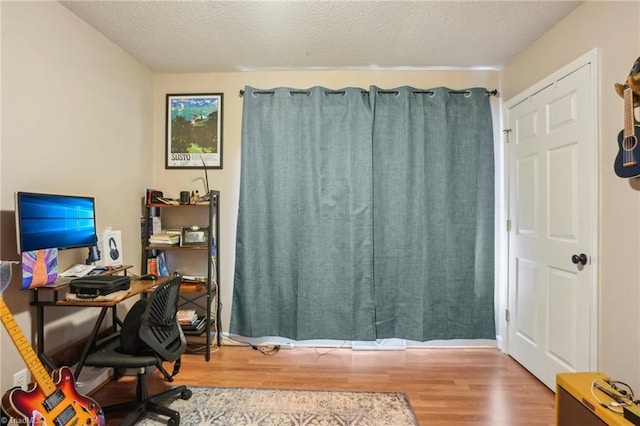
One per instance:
(38, 372)
(629, 119)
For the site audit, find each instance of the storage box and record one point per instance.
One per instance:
(110, 246)
(156, 225)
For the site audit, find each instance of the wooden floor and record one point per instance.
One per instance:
(445, 386)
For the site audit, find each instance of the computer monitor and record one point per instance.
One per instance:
(47, 221)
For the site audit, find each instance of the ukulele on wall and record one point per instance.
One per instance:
(51, 401)
(627, 162)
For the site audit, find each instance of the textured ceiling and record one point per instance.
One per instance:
(205, 36)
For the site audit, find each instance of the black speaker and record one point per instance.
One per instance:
(113, 249)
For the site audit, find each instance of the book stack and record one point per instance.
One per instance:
(187, 317)
(195, 327)
(164, 238)
(157, 266)
(190, 322)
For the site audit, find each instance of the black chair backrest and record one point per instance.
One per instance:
(159, 327)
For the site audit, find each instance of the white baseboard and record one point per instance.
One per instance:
(380, 345)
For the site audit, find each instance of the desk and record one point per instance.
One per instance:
(56, 299)
(575, 405)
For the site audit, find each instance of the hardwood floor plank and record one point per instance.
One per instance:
(462, 387)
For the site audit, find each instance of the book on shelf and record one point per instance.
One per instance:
(152, 266)
(197, 325)
(168, 201)
(187, 316)
(155, 225)
(163, 271)
(193, 278)
(164, 238)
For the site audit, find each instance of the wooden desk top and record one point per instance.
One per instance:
(63, 282)
(579, 386)
(57, 292)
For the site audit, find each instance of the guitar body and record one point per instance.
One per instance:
(64, 407)
(627, 162)
(53, 400)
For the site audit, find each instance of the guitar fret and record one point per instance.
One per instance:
(628, 113)
(39, 373)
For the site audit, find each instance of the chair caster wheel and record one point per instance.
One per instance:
(172, 422)
(186, 394)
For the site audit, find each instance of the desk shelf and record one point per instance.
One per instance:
(200, 261)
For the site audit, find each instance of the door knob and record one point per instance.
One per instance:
(579, 259)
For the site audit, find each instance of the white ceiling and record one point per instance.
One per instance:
(208, 36)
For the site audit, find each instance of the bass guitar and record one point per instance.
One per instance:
(51, 400)
(626, 162)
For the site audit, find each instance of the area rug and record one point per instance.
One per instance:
(271, 407)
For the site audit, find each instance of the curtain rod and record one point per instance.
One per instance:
(493, 92)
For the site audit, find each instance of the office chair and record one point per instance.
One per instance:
(159, 338)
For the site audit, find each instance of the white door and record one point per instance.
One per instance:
(553, 212)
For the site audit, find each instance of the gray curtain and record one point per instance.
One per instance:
(433, 186)
(304, 241)
(365, 215)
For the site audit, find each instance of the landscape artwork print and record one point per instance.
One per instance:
(194, 131)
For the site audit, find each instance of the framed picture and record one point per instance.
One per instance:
(194, 131)
(194, 236)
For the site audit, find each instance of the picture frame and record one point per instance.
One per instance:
(194, 131)
(194, 236)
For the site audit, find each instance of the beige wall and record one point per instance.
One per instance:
(613, 28)
(228, 179)
(76, 119)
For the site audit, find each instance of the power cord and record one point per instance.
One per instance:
(623, 389)
(264, 349)
(200, 349)
(342, 345)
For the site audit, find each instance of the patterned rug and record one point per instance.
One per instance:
(271, 407)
